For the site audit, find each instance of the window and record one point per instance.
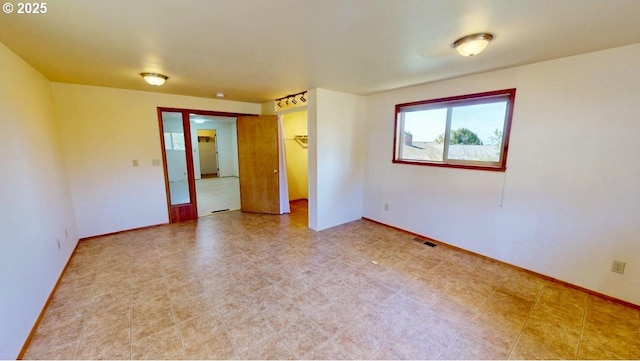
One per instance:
(468, 131)
(174, 141)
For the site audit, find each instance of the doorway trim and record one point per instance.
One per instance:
(188, 211)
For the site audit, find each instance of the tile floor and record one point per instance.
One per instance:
(216, 194)
(248, 286)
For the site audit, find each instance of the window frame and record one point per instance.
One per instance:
(448, 102)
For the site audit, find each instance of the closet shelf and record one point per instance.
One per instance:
(303, 140)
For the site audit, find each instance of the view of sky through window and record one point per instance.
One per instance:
(482, 119)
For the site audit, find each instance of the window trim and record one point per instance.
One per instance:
(467, 99)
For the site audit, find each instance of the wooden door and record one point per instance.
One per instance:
(258, 162)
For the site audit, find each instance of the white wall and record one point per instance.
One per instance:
(234, 150)
(227, 142)
(571, 193)
(336, 157)
(35, 206)
(102, 130)
(197, 172)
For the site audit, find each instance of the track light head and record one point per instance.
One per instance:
(293, 99)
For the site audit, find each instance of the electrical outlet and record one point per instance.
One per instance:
(155, 162)
(134, 162)
(386, 207)
(618, 266)
(58, 242)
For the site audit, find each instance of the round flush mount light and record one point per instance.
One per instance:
(220, 95)
(155, 79)
(473, 44)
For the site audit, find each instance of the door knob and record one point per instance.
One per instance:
(275, 171)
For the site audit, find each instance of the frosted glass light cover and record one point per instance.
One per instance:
(472, 48)
(154, 79)
(473, 44)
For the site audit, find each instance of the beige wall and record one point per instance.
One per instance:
(35, 204)
(103, 130)
(569, 202)
(295, 123)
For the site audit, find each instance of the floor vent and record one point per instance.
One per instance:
(425, 242)
(220, 210)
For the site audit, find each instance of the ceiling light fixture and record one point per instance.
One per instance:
(473, 44)
(154, 78)
(220, 95)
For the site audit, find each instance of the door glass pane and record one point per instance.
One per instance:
(167, 141)
(176, 158)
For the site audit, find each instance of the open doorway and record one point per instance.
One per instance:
(296, 150)
(215, 155)
(296, 137)
(253, 143)
(208, 150)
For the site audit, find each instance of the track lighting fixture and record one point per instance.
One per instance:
(294, 99)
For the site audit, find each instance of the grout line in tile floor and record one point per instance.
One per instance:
(224, 326)
(462, 329)
(390, 338)
(284, 342)
(330, 339)
(84, 320)
(584, 318)
(130, 313)
(176, 324)
(533, 306)
(383, 345)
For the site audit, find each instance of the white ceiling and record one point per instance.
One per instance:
(257, 50)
